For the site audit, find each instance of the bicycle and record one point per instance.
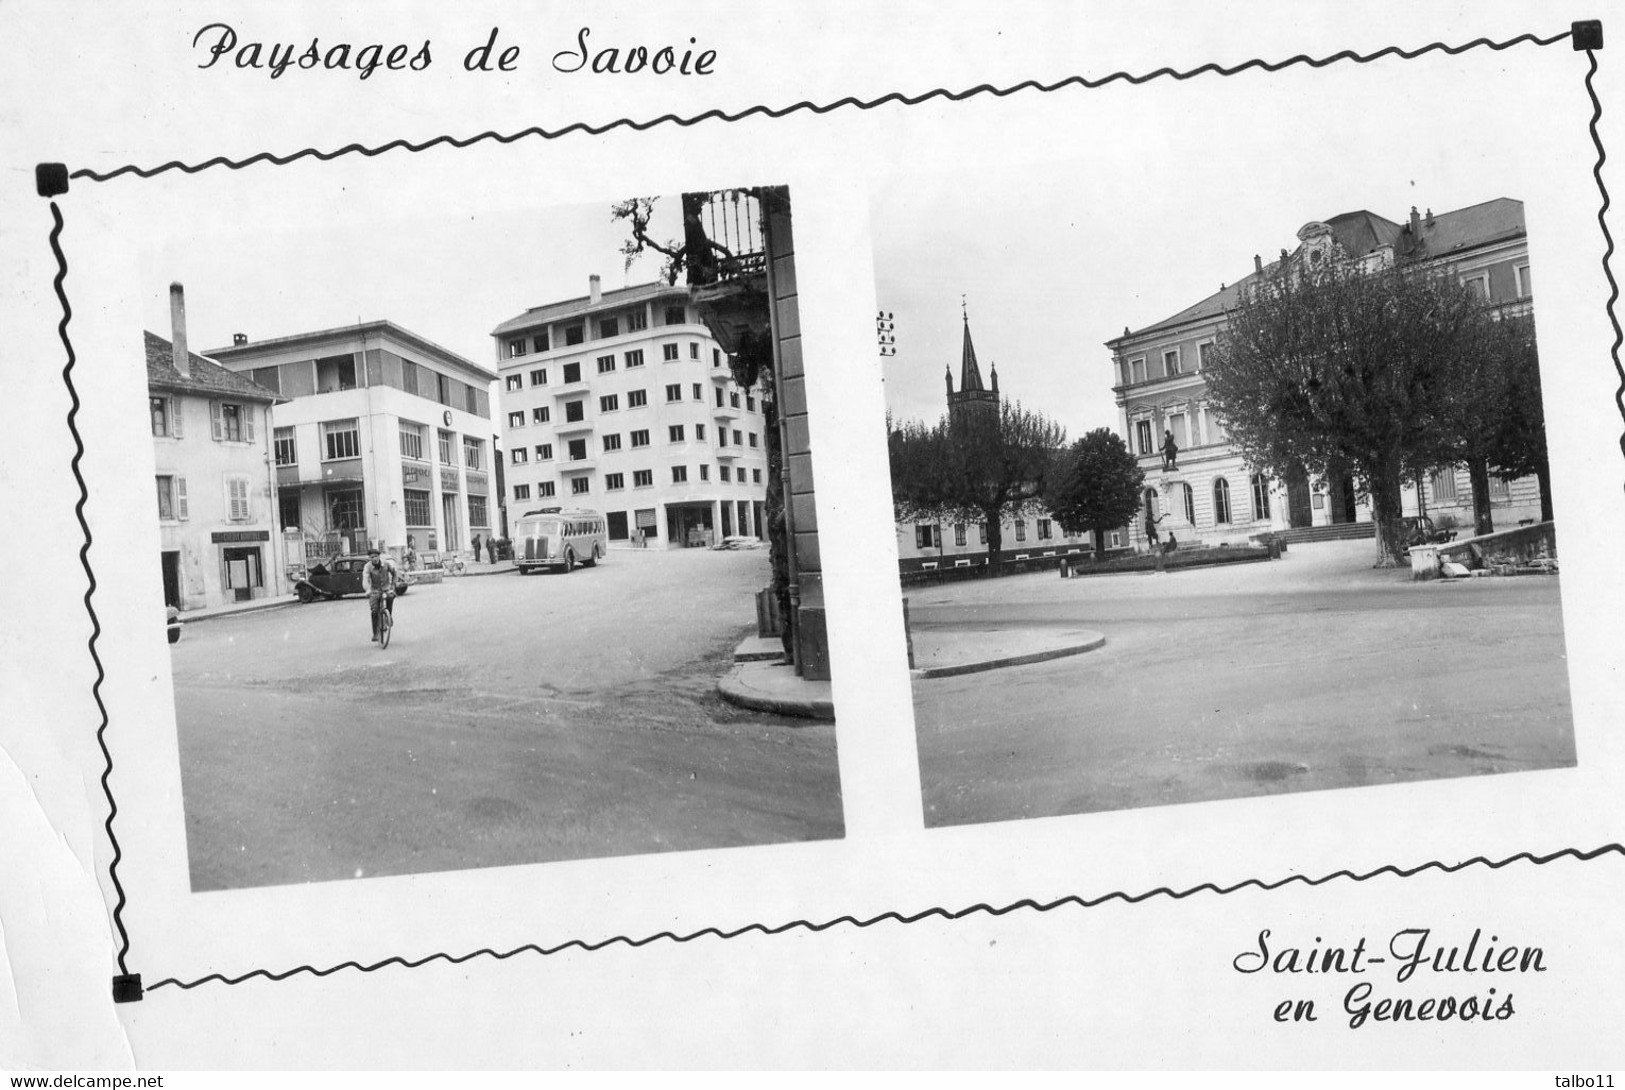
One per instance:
(386, 621)
(453, 564)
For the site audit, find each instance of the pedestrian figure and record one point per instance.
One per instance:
(1170, 450)
(493, 549)
(411, 553)
(1151, 534)
(476, 548)
(1173, 543)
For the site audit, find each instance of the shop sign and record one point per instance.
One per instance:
(448, 481)
(228, 537)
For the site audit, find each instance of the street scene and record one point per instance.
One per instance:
(429, 612)
(1160, 543)
(308, 755)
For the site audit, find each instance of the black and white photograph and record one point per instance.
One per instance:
(1167, 541)
(506, 567)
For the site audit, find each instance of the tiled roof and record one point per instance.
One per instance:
(1362, 232)
(207, 378)
(347, 336)
(570, 308)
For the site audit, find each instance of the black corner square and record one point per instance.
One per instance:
(127, 988)
(51, 179)
(1587, 34)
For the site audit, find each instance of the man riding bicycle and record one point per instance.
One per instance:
(378, 579)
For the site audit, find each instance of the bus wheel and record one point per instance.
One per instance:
(569, 561)
(593, 563)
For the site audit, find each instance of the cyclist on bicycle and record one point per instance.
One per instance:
(378, 579)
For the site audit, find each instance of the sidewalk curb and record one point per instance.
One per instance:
(1013, 660)
(732, 688)
(260, 607)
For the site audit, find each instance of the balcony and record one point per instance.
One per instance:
(578, 465)
(729, 453)
(725, 412)
(573, 427)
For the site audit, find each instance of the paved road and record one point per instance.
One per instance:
(513, 719)
(1306, 673)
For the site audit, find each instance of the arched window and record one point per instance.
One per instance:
(1190, 501)
(1221, 500)
(1261, 496)
(1151, 502)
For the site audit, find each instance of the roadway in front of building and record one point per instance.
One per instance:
(1306, 673)
(513, 719)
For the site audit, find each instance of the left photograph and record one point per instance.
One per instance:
(474, 562)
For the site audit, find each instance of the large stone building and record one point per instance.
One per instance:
(1210, 494)
(210, 443)
(381, 436)
(622, 401)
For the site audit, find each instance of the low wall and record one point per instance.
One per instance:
(1505, 551)
(1084, 564)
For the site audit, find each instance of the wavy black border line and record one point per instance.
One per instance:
(897, 917)
(52, 179)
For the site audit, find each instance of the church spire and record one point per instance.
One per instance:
(970, 376)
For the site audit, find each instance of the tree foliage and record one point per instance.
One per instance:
(977, 464)
(1096, 486)
(1373, 372)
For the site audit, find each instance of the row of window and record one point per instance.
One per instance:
(609, 325)
(229, 421)
(675, 433)
(929, 535)
(173, 505)
(575, 411)
(341, 439)
(1173, 363)
(641, 478)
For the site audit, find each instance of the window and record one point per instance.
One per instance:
(1021, 529)
(232, 422)
(287, 503)
(755, 476)
(544, 452)
(719, 397)
(724, 475)
(340, 439)
(634, 358)
(693, 350)
(1221, 501)
(516, 347)
(575, 411)
(733, 399)
(637, 399)
(574, 334)
(539, 342)
(705, 472)
(544, 489)
(1117, 539)
(520, 492)
(476, 512)
(572, 373)
(516, 420)
(750, 402)
(636, 320)
(538, 377)
(609, 403)
(287, 451)
(1142, 435)
(612, 442)
(471, 400)
(716, 357)
(1444, 485)
(722, 437)
(445, 448)
(1525, 285)
(699, 393)
(172, 499)
(609, 327)
(614, 482)
(160, 415)
(540, 415)
(925, 536)
(1177, 425)
(1188, 496)
(580, 486)
(515, 381)
(675, 433)
(417, 506)
(409, 376)
(737, 437)
(473, 458)
(675, 315)
(699, 432)
(1044, 531)
(1478, 286)
(1204, 355)
(643, 478)
(519, 456)
(640, 438)
(1170, 362)
(237, 505)
(1261, 496)
(679, 474)
(1498, 488)
(442, 388)
(753, 439)
(674, 392)
(981, 532)
(411, 439)
(959, 533)
(606, 364)
(668, 351)
(577, 449)
(1136, 369)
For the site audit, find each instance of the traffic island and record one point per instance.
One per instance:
(949, 652)
(773, 686)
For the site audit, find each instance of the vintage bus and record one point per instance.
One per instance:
(556, 537)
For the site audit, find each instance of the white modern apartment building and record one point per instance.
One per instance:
(622, 401)
(382, 436)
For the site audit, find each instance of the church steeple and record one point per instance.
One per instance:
(971, 391)
(970, 376)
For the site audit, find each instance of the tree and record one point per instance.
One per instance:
(981, 462)
(1370, 371)
(1516, 444)
(1096, 486)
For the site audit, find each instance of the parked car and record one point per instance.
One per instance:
(172, 624)
(338, 577)
(1419, 530)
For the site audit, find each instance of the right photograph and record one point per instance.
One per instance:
(1217, 496)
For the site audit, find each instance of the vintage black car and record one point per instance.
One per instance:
(338, 577)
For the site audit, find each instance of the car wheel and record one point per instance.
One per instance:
(306, 595)
(400, 591)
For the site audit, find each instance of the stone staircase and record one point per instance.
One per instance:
(1337, 531)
